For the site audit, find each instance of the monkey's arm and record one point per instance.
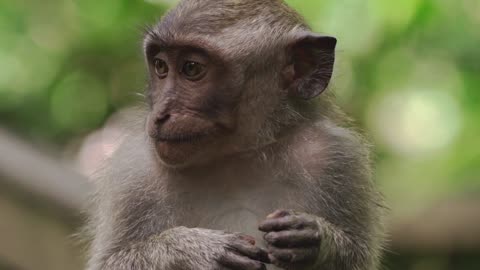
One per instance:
(338, 227)
(183, 248)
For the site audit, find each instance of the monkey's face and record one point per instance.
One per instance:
(219, 86)
(192, 104)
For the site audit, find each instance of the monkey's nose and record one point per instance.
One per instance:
(162, 119)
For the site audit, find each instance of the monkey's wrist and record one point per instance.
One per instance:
(328, 247)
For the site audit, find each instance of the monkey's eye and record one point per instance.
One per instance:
(193, 70)
(161, 68)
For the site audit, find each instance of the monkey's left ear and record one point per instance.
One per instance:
(312, 58)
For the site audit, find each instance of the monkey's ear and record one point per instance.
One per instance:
(312, 58)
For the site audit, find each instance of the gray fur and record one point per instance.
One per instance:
(291, 154)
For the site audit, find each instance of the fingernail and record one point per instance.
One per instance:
(278, 213)
(268, 237)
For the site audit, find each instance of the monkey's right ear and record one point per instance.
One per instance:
(312, 58)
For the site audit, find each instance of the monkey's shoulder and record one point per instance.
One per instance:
(323, 140)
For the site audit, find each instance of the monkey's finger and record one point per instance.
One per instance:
(295, 255)
(250, 251)
(278, 224)
(286, 223)
(301, 238)
(237, 262)
(280, 213)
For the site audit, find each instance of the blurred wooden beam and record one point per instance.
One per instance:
(452, 225)
(40, 203)
(39, 175)
(32, 239)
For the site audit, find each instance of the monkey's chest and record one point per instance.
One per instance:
(234, 219)
(243, 219)
(240, 210)
(234, 209)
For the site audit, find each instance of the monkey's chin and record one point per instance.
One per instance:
(178, 154)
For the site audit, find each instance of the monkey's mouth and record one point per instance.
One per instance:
(182, 138)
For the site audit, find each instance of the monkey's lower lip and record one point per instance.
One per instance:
(181, 138)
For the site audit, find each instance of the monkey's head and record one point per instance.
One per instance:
(225, 75)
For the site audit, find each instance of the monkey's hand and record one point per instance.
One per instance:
(197, 248)
(293, 239)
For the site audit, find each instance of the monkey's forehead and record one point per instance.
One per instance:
(236, 25)
(212, 16)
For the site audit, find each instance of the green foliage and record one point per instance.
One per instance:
(66, 65)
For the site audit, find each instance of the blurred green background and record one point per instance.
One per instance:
(408, 71)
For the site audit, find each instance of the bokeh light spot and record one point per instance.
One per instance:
(48, 36)
(69, 101)
(416, 121)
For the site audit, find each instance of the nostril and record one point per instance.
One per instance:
(162, 119)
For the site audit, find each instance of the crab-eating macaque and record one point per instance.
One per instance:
(235, 165)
